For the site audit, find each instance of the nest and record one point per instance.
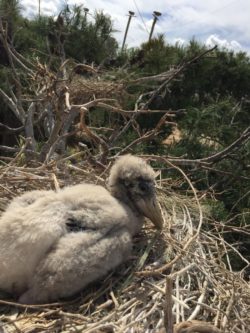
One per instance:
(182, 274)
(83, 90)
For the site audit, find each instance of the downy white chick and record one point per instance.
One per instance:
(53, 244)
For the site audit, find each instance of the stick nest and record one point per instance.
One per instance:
(82, 90)
(206, 292)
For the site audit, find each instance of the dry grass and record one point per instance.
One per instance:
(206, 293)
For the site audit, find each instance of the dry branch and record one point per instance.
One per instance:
(168, 315)
(174, 74)
(210, 160)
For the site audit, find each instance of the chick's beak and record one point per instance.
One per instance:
(151, 209)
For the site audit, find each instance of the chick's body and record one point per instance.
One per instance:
(53, 244)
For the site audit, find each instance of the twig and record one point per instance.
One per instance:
(176, 73)
(200, 300)
(168, 315)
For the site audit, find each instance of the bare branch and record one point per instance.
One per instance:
(159, 77)
(13, 106)
(11, 130)
(175, 74)
(168, 314)
(29, 126)
(207, 161)
(224, 153)
(100, 103)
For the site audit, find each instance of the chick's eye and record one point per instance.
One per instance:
(143, 187)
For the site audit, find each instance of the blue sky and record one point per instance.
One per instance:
(211, 22)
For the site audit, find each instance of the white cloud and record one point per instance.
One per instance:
(223, 43)
(179, 41)
(225, 21)
(48, 7)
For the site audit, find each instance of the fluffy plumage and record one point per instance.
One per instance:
(53, 244)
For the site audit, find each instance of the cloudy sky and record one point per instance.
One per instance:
(224, 22)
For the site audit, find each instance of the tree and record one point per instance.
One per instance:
(94, 40)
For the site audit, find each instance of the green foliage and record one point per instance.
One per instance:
(31, 38)
(220, 75)
(94, 40)
(155, 56)
(217, 210)
(226, 120)
(10, 12)
(83, 39)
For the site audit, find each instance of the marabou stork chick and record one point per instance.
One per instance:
(53, 244)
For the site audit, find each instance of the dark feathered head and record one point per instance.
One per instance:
(132, 181)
